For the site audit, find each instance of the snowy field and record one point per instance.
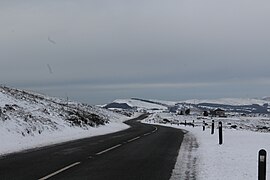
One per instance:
(205, 159)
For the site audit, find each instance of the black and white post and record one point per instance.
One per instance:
(262, 165)
(203, 125)
(220, 132)
(213, 127)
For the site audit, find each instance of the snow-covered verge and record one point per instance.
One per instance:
(236, 158)
(30, 120)
(13, 142)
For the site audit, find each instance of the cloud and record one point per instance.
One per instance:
(136, 45)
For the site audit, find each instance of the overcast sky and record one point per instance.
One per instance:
(95, 51)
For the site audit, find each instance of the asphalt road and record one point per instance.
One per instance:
(142, 152)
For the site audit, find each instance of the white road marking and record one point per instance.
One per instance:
(134, 139)
(59, 171)
(147, 134)
(90, 157)
(109, 149)
(155, 130)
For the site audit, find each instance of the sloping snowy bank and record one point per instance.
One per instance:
(14, 142)
(29, 120)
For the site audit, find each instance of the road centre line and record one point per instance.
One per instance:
(59, 171)
(147, 134)
(90, 157)
(134, 139)
(109, 149)
(155, 130)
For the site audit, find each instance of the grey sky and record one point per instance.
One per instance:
(99, 50)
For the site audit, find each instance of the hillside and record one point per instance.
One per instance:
(29, 119)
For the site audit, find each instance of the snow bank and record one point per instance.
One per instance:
(12, 142)
(30, 120)
(236, 159)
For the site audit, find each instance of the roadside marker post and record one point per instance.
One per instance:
(262, 165)
(203, 125)
(213, 127)
(220, 132)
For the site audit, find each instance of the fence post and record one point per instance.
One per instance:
(193, 123)
(220, 132)
(203, 125)
(262, 165)
(185, 122)
(213, 127)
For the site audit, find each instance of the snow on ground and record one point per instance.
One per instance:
(140, 104)
(229, 101)
(168, 103)
(29, 120)
(11, 141)
(16, 143)
(200, 152)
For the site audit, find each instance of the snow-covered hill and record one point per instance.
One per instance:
(141, 104)
(239, 105)
(266, 98)
(29, 120)
(230, 101)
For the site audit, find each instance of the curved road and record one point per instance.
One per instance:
(142, 152)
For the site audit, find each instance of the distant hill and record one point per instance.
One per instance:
(142, 104)
(116, 105)
(239, 105)
(266, 99)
